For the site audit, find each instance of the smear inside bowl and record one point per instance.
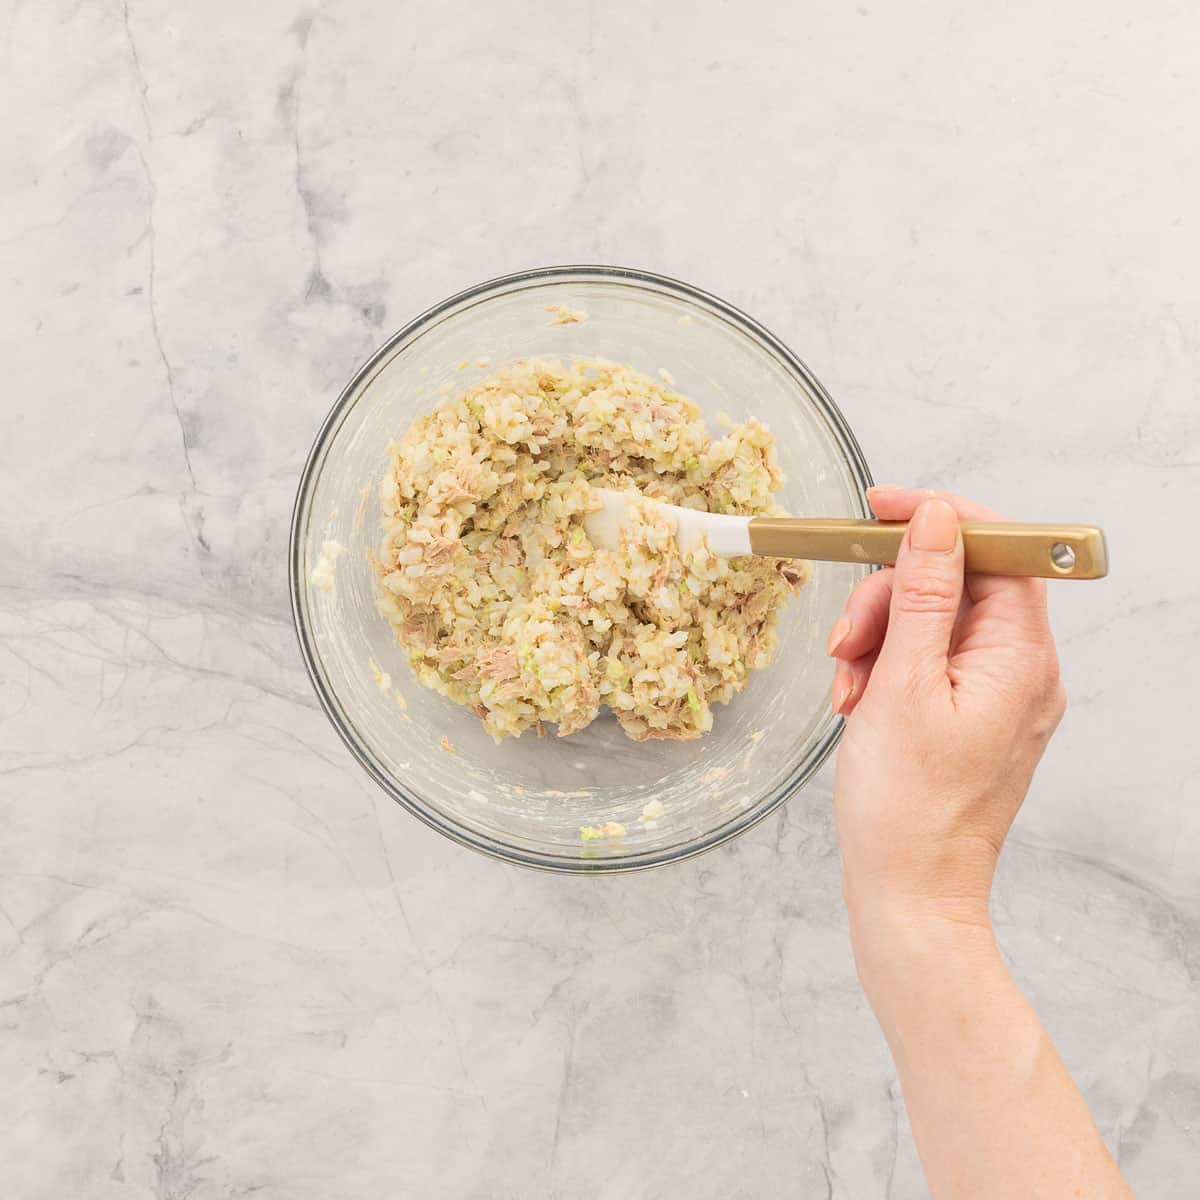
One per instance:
(527, 800)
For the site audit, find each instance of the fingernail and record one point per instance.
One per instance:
(843, 689)
(837, 635)
(934, 527)
(885, 487)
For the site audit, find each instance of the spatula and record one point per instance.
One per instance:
(991, 547)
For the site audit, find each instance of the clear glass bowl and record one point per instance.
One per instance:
(525, 800)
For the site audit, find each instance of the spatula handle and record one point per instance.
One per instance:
(992, 547)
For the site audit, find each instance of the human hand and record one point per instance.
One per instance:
(950, 688)
(951, 691)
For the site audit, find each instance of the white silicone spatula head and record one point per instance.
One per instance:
(727, 537)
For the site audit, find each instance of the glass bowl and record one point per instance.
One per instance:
(526, 800)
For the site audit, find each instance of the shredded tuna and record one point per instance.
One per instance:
(500, 663)
(491, 585)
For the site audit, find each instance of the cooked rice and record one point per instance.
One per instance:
(502, 603)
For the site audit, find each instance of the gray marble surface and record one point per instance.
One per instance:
(229, 966)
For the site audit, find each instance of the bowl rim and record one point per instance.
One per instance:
(460, 834)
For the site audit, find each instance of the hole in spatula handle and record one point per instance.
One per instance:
(1063, 557)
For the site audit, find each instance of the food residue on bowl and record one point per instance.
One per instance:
(321, 576)
(593, 833)
(562, 315)
(503, 604)
(383, 681)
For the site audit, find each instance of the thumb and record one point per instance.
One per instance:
(926, 590)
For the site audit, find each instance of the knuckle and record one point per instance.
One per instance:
(1047, 703)
(1035, 656)
(868, 589)
(1048, 712)
(927, 589)
(865, 584)
(1047, 672)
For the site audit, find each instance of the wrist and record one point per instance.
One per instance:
(905, 949)
(900, 899)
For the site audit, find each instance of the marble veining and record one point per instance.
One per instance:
(230, 967)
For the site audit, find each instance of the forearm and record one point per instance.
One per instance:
(993, 1110)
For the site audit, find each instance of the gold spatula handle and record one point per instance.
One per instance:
(992, 547)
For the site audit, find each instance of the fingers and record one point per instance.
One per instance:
(862, 625)
(927, 586)
(856, 637)
(854, 674)
(850, 682)
(933, 601)
(842, 690)
(1025, 599)
(899, 504)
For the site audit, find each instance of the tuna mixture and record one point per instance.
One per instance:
(501, 602)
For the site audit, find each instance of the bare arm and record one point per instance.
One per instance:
(993, 1109)
(951, 692)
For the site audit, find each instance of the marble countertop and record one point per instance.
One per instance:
(231, 967)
